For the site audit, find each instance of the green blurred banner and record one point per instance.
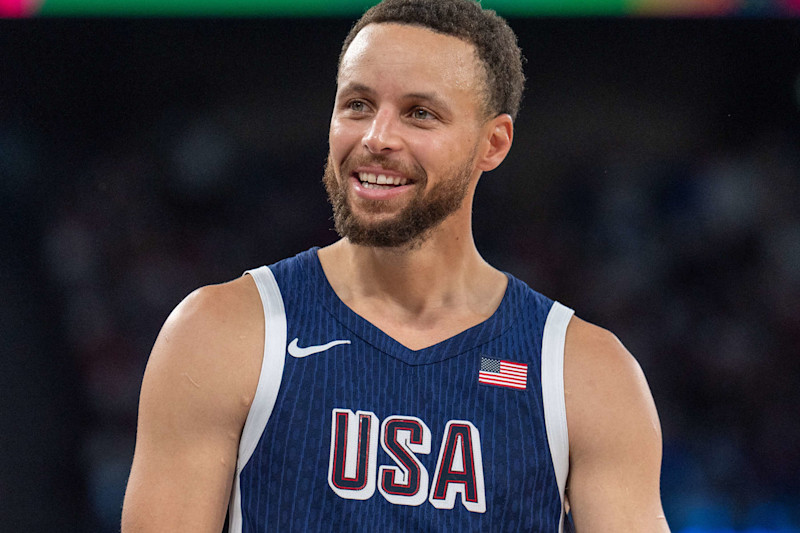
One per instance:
(307, 8)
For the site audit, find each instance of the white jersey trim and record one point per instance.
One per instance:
(555, 409)
(269, 382)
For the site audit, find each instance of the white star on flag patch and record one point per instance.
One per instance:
(503, 373)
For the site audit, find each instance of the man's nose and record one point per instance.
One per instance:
(383, 136)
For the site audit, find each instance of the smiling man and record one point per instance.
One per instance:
(395, 381)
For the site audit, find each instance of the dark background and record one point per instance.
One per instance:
(654, 186)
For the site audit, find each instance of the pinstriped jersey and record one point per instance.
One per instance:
(352, 431)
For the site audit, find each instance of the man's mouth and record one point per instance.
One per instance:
(380, 181)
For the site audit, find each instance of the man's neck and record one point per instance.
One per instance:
(419, 296)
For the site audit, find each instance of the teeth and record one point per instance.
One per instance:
(368, 185)
(381, 179)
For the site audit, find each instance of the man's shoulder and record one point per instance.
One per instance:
(221, 307)
(203, 370)
(585, 339)
(217, 330)
(608, 397)
(595, 354)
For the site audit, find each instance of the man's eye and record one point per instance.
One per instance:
(422, 114)
(357, 106)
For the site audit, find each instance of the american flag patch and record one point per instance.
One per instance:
(503, 373)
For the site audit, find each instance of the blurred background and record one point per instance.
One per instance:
(654, 186)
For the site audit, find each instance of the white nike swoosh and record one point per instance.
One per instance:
(297, 351)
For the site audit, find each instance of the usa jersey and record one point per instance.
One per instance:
(350, 430)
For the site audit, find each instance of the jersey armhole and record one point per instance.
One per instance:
(555, 410)
(269, 382)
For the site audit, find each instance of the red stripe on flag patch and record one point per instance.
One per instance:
(503, 373)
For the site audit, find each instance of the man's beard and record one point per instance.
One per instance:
(414, 223)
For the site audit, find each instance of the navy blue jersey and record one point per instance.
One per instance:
(352, 431)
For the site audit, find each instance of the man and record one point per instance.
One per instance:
(395, 381)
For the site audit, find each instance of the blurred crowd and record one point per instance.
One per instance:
(649, 218)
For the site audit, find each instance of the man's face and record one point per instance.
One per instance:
(404, 134)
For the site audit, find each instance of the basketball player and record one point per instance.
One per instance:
(395, 381)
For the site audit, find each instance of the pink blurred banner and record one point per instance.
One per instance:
(19, 8)
(792, 6)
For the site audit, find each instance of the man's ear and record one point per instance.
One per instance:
(498, 134)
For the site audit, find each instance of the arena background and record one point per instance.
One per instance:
(654, 186)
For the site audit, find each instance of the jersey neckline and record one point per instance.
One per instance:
(462, 342)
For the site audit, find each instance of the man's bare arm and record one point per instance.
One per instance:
(614, 434)
(196, 392)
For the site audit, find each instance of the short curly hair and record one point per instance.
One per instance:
(494, 41)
